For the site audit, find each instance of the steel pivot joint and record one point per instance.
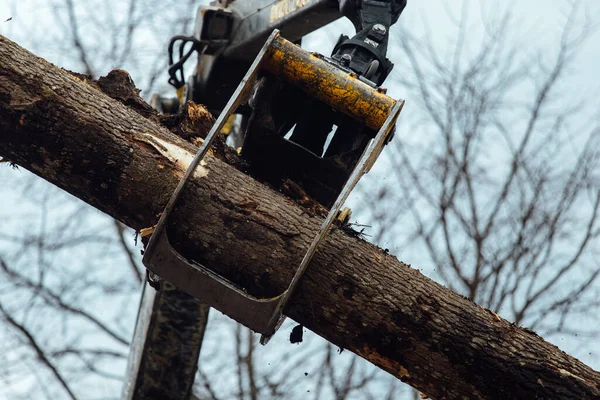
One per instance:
(368, 48)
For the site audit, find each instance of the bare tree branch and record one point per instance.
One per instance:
(38, 351)
(130, 256)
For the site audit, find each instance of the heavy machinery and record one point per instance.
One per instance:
(318, 121)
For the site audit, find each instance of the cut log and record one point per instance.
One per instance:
(353, 294)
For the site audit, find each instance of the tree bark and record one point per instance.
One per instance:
(170, 325)
(353, 294)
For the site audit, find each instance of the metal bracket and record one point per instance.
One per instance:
(210, 288)
(263, 315)
(363, 166)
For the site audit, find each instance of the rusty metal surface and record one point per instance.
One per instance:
(343, 91)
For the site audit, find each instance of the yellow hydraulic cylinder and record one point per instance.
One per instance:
(340, 90)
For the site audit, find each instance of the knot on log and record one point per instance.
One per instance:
(119, 85)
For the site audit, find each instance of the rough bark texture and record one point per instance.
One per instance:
(170, 327)
(354, 294)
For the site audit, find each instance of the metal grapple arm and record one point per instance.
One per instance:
(229, 33)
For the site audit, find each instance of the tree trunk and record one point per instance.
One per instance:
(163, 358)
(353, 294)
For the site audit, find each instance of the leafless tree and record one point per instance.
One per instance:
(96, 36)
(310, 370)
(71, 277)
(493, 176)
(62, 292)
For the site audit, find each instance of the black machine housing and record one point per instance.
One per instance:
(287, 134)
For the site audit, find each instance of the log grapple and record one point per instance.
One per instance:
(318, 121)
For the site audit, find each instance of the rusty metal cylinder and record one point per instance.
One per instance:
(340, 90)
